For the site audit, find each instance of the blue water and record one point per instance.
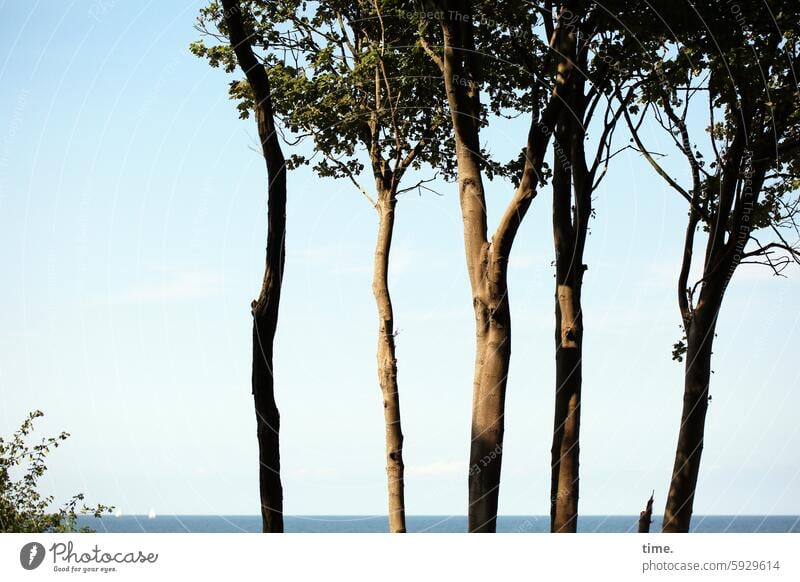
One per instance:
(431, 524)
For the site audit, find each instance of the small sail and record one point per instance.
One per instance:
(152, 514)
(118, 513)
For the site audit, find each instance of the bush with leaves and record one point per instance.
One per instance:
(23, 509)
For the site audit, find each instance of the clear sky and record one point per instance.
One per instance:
(132, 240)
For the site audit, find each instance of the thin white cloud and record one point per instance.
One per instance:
(438, 469)
(320, 255)
(346, 270)
(171, 286)
(400, 261)
(521, 261)
(450, 314)
(338, 259)
(313, 473)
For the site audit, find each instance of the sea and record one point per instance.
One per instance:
(425, 524)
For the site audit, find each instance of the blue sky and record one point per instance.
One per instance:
(132, 209)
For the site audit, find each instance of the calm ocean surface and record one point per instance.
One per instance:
(431, 524)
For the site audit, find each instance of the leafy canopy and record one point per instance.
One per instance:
(351, 76)
(742, 59)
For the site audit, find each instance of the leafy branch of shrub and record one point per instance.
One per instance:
(22, 507)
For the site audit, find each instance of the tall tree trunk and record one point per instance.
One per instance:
(699, 343)
(265, 308)
(731, 216)
(570, 223)
(387, 362)
(487, 275)
(566, 425)
(265, 323)
(492, 358)
(487, 260)
(265, 320)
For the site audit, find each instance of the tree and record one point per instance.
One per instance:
(461, 62)
(348, 76)
(743, 180)
(23, 509)
(576, 174)
(236, 26)
(356, 86)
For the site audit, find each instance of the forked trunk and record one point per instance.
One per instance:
(699, 342)
(387, 363)
(487, 260)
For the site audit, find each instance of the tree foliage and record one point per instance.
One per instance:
(348, 75)
(363, 81)
(22, 507)
(737, 63)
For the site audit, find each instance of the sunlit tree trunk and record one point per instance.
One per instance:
(492, 357)
(387, 362)
(487, 259)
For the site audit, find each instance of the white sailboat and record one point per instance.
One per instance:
(152, 514)
(118, 513)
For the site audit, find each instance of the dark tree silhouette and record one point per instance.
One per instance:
(237, 25)
(742, 192)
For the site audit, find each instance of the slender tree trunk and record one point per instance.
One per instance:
(387, 363)
(265, 308)
(731, 216)
(570, 223)
(646, 516)
(267, 416)
(566, 429)
(265, 323)
(699, 343)
(492, 358)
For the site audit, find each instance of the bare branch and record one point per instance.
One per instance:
(419, 186)
(659, 170)
(792, 253)
(609, 126)
(347, 172)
